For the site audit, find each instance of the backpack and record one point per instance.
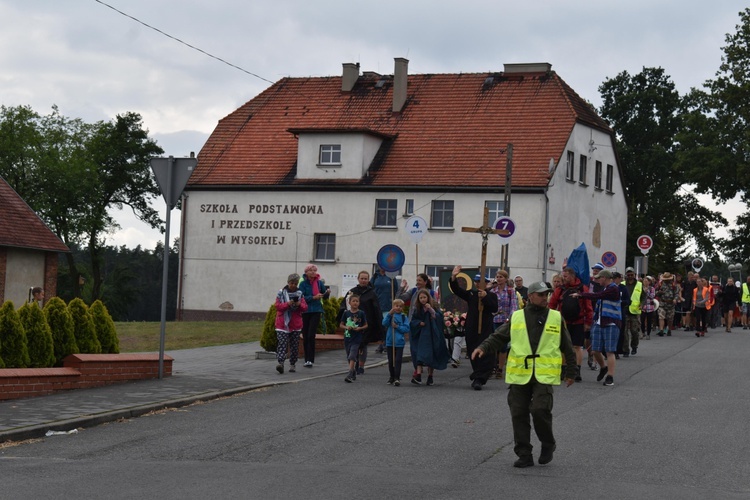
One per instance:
(570, 307)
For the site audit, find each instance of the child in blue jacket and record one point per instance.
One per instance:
(398, 326)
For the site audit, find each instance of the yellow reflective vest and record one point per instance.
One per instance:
(635, 299)
(546, 363)
(745, 294)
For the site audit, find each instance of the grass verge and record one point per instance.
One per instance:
(144, 336)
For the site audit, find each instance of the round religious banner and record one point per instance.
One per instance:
(391, 258)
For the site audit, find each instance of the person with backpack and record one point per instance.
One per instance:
(577, 313)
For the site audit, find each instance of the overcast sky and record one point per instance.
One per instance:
(93, 62)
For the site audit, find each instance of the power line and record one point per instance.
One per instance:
(184, 43)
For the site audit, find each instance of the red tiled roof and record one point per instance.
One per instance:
(21, 227)
(453, 130)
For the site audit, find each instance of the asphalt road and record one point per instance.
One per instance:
(675, 425)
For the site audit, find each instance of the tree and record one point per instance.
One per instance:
(83, 327)
(645, 112)
(715, 144)
(73, 173)
(120, 152)
(105, 328)
(38, 336)
(61, 324)
(13, 348)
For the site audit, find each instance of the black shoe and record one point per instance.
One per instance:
(280, 368)
(602, 374)
(477, 386)
(669, 333)
(390, 381)
(546, 456)
(609, 381)
(578, 374)
(525, 461)
(429, 380)
(634, 351)
(416, 379)
(626, 355)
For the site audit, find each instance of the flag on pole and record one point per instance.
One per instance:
(579, 261)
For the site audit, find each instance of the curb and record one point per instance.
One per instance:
(39, 430)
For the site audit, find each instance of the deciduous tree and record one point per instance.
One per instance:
(645, 112)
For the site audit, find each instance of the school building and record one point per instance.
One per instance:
(329, 169)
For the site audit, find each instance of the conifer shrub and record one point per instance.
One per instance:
(38, 336)
(61, 324)
(105, 328)
(268, 338)
(13, 348)
(83, 327)
(328, 322)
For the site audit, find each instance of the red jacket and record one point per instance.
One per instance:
(283, 307)
(586, 317)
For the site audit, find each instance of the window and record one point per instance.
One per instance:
(325, 247)
(330, 154)
(582, 171)
(434, 273)
(610, 173)
(442, 214)
(491, 273)
(409, 208)
(496, 209)
(570, 168)
(598, 176)
(385, 213)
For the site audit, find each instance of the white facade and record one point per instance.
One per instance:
(583, 213)
(238, 247)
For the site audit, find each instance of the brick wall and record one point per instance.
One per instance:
(80, 371)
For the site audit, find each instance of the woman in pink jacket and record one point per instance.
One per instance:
(290, 304)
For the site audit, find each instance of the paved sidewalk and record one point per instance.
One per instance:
(197, 375)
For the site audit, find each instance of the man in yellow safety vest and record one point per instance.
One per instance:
(539, 341)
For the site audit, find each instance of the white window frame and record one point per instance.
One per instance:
(496, 209)
(582, 173)
(330, 241)
(329, 154)
(390, 211)
(570, 167)
(409, 207)
(598, 176)
(443, 210)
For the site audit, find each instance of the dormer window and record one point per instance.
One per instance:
(330, 154)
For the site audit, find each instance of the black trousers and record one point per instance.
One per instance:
(701, 319)
(394, 368)
(310, 322)
(532, 401)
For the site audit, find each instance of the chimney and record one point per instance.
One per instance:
(350, 76)
(400, 74)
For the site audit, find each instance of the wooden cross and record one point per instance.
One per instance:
(485, 230)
